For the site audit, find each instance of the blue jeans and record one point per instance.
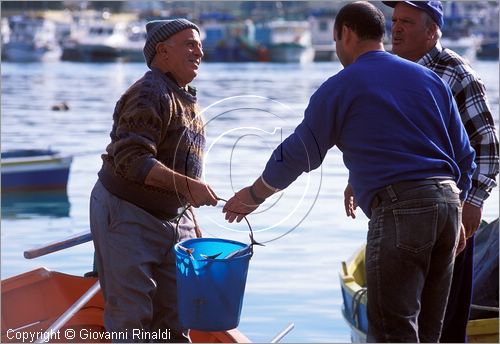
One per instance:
(411, 244)
(459, 301)
(136, 266)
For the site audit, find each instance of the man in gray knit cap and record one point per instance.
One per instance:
(151, 171)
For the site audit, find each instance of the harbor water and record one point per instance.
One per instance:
(249, 108)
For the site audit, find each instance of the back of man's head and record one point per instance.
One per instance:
(366, 20)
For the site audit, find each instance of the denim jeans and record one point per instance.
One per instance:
(136, 266)
(411, 244)
(459, 301)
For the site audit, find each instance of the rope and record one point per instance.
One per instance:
(356, 300)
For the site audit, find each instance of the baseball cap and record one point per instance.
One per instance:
(433, 8)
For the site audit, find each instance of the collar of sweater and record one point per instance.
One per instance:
(188, 92)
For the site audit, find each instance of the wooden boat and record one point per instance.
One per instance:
(353, 286)
(33, 301)
(34, 170)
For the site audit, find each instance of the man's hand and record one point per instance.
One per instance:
(462, 241)
(194, 191)
(198, 193)
(247, 200)
(240, 205)
(471, 218)
(349, 202)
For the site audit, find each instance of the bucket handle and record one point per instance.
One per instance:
(252, 240)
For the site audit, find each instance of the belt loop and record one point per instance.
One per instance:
(391, 193)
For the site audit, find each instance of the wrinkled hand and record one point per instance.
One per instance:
(240, 205)
(471, 218)
(462, 241)
(198, 193)
(349, 202)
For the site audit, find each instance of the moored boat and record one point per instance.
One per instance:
(34, 169)
(33, 301)
(231, 41)
(286, 41)
(31, 39)
(488, 48)
(353, 287)
(321, 22)
(97, 38)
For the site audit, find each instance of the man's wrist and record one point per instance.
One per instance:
(257, 200)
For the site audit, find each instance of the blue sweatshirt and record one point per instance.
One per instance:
(393, 120)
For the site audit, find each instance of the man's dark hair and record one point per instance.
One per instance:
(366, 20)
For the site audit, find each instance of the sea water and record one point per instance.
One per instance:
(249, 109)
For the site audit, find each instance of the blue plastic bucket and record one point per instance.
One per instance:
(210, 291)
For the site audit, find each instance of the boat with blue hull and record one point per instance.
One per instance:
(34, 170)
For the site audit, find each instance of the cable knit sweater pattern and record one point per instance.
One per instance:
(154, 120)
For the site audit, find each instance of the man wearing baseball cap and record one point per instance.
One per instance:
(416, 30)
(150, 173)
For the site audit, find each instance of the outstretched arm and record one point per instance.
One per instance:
(247, 200)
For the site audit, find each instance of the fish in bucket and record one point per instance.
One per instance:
(211, 279)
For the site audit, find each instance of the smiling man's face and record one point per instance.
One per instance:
(184, 55)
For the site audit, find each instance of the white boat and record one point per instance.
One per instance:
(98, 39)
(321, 23)
(5, 34)
(132, 49)
(5, 30)
(101, 41)
(287, 41)
(31, 39)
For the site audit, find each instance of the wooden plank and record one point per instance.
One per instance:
(55, 246)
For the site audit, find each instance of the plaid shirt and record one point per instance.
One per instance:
(470, 94)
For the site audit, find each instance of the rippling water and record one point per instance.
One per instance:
(249, 108)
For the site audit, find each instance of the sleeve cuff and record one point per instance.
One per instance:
(144, 169)
(266, 184)
(477, 197)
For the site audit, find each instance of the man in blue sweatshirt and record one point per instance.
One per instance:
(410, 165)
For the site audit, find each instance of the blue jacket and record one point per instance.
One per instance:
(393, 120)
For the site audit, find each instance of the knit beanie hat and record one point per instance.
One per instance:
(160, 30)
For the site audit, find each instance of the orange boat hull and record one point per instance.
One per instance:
(32, 302)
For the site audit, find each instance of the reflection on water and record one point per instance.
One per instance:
(26, 205)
